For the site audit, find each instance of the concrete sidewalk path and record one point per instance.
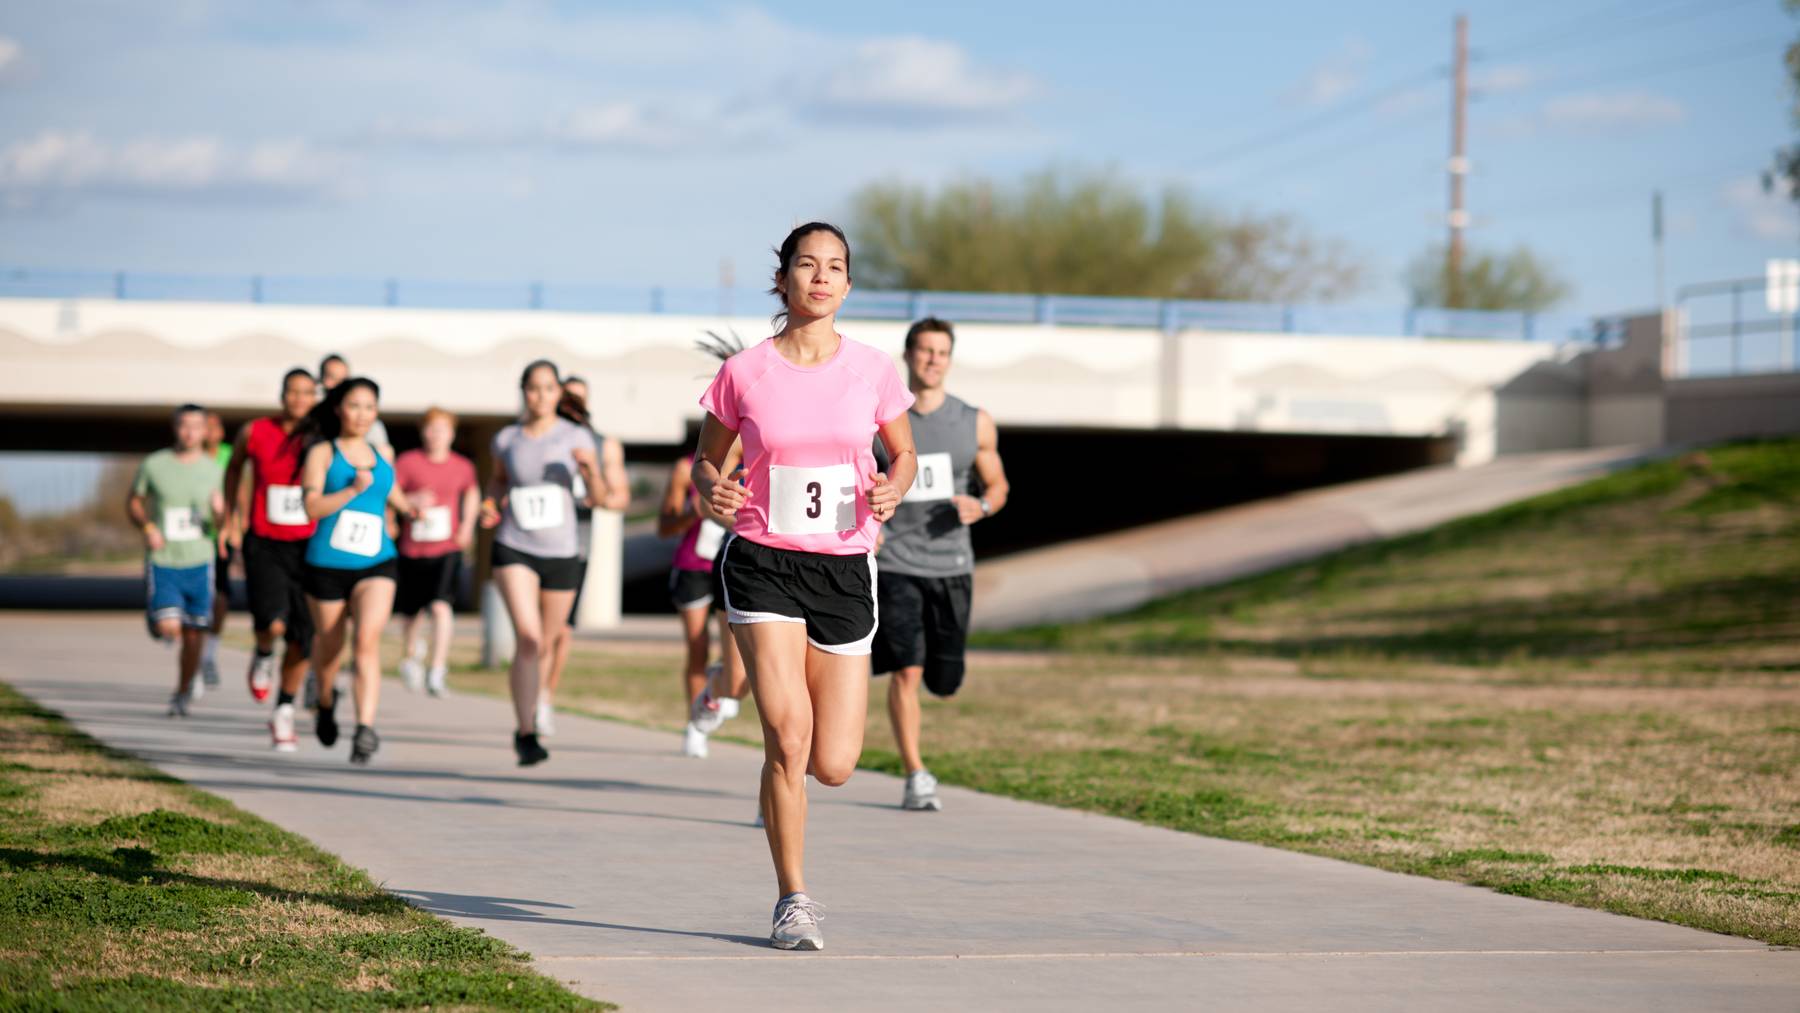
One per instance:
(1105, 574)
(636, 874)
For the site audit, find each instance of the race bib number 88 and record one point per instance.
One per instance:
(812, 501)
(357, 532)
(933, 482)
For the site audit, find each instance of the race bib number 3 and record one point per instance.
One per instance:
(812, 501)
(285, 505)
(357, 532)
(707, 542)
(180, 525)
(433, 525)
(536, 507)
(933, 482)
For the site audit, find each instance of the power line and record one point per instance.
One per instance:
(1333, 114)
(1654, 67)
(1610, 30)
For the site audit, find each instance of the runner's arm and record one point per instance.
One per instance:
(320, 503)
(496, 494)
(674, 518)
(903, 465)
(138, 509)
(613, 477)
(471, 516)
(994, 487)
(720, 499)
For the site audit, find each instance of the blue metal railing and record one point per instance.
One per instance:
(1169, 315)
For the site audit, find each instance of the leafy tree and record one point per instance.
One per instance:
(1785, 173)
(1086, 234)
(1519, 280)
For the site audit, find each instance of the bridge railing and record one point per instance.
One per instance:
(1170, 315)
(1728, 328)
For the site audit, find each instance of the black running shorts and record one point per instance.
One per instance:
(833, 595)
(554, 574)
(275, 579)
(425, 579)
(693, 589)
(327, 583)
(924, 624)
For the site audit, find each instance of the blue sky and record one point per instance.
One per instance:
(640, 143)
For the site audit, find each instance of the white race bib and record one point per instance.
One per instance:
(706, 544)
(357, 532)
(935, 480)
(536, 507)
(433, 525)
(812, 501)
(579, 488)
(285, 505)
(180, 525)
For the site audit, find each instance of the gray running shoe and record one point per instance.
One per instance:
(309, 694)
(921, 792)
(209, 672)
(797, 918)
(178, 705)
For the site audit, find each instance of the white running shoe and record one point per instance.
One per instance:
(546, 717)
(921, 792)
(706, 714)
(693, 743)
(178, 705)
(281, 730)
(437, 681)
(797, 918)
(262, 677)
(412, 674)
(196, 690)
(728, 708)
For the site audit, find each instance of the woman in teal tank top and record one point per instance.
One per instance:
(350, 569)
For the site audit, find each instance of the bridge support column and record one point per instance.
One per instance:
(603, 591)
(497, 641)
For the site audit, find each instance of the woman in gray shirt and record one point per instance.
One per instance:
(536, 562)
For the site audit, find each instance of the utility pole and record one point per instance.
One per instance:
(1656, 238)
(1459, 163)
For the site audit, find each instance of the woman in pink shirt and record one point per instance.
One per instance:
(797, 571)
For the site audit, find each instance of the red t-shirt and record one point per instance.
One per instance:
(277, 508)
(433, 534)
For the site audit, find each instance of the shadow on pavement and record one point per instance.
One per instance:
(512, 909)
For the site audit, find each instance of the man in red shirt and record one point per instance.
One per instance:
(442, 484)
(274, 548)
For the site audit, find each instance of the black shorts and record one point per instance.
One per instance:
(553, 574)
(833, 595)
(426, 579)
(325, 583)
(580, 585)
(275, 579)
(222, 580)
(695, 589)
(925, 624)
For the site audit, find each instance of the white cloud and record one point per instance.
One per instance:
(10, 52)
(1335, 77)
(1596, 110)
(1504, 78)
(58, 164)
(1762, 213)
(910, 80)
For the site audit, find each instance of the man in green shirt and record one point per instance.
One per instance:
(219, 449)
(175, 502)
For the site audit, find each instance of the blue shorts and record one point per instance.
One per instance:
(184, 593)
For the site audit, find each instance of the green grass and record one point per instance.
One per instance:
(122, 889)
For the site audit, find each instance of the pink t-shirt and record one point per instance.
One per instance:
(807, 433)
(434, 534)
(691, 553)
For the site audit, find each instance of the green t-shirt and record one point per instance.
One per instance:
(224, 455)
(178, 496)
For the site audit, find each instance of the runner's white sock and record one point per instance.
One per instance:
(210, 653)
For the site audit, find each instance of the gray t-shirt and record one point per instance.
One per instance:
(926, 537)
(540, 474)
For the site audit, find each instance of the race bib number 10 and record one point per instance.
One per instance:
(357, 532)
(812, 501)
(933, 482)
(536, 507)
(285, 505)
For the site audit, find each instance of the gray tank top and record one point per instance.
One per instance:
(539, 518)
(925, 537)
(584, 514)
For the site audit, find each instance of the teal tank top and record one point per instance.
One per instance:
(356, 537)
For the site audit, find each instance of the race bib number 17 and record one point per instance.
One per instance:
(812, 501)
(536, 507)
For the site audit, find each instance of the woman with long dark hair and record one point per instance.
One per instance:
(348, 488)
(797, 570)
(536, 560)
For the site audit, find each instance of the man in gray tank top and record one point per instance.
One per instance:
(926, 564)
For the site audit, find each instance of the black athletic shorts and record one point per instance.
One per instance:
(924, 624)
(222, 579)
(327, 583)
(580, 585)
(833, 595)
(426, 579)
(275, 578)
(693, 589)
(553, 574)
